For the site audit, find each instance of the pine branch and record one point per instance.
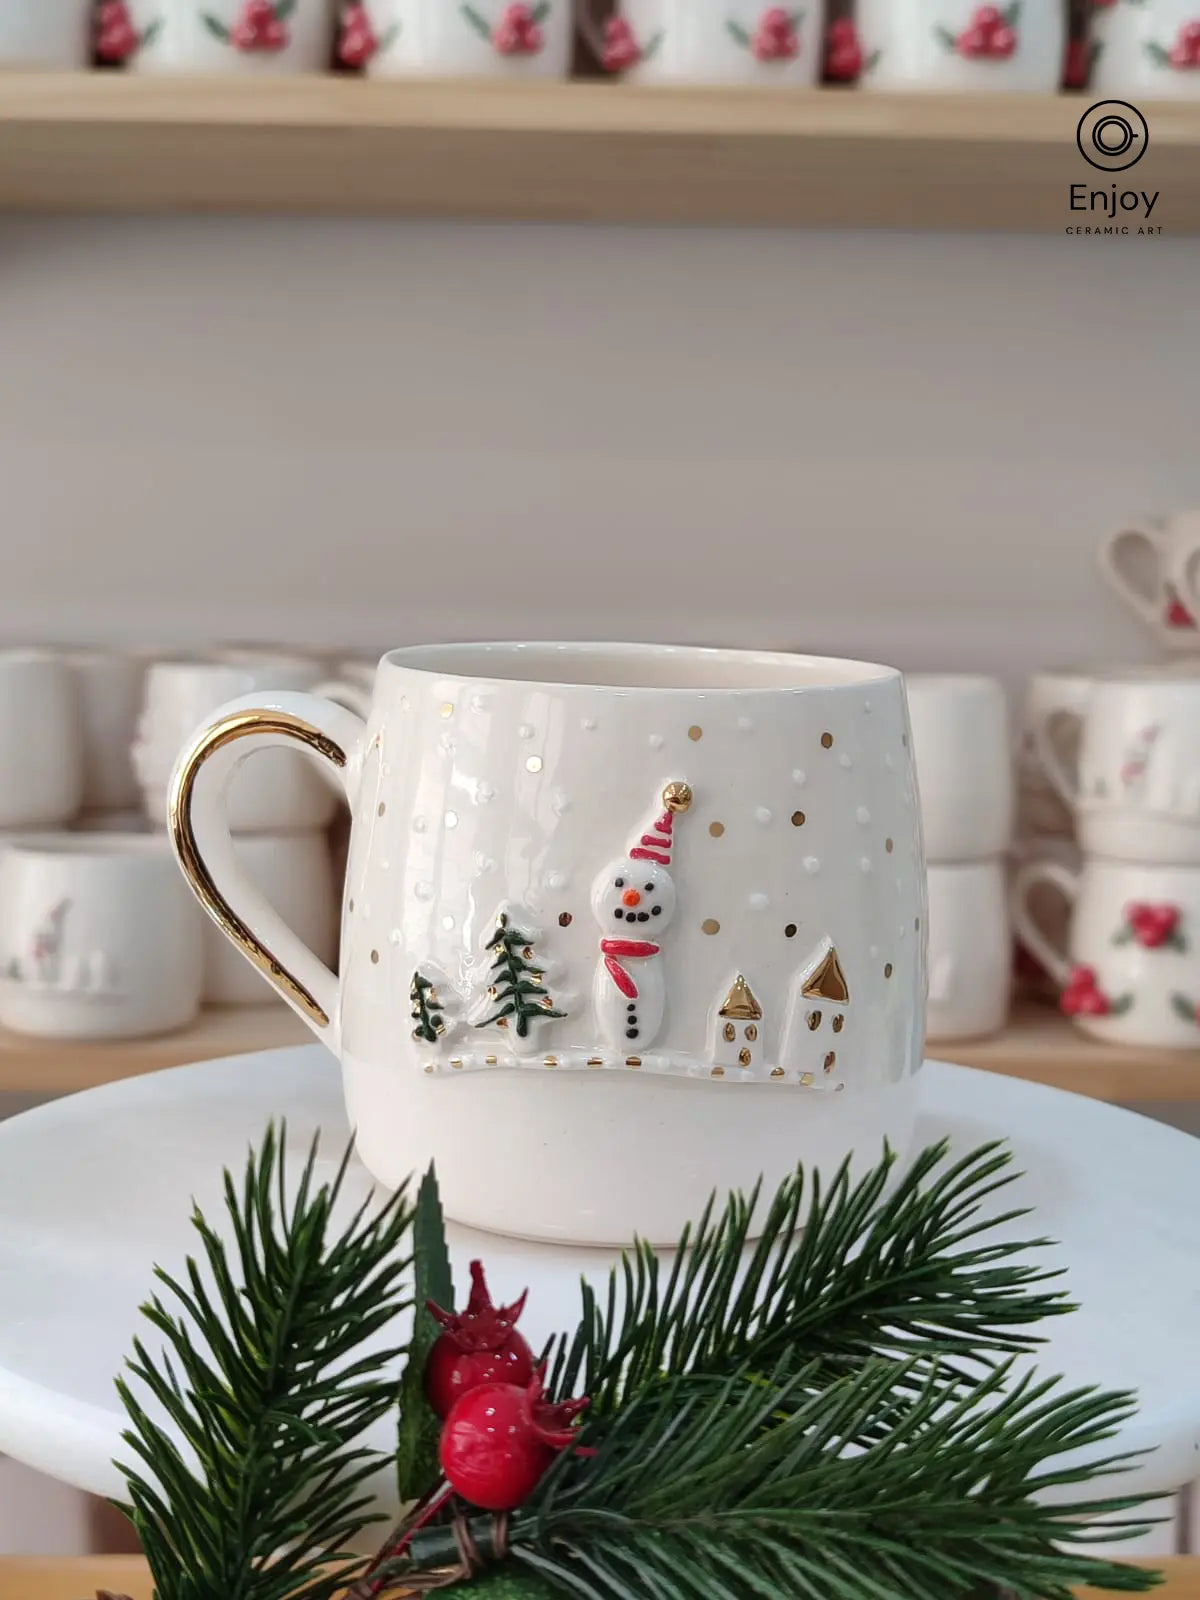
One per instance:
(253, 1481)
(751, 1488)
(420, 1428)
(842, 1274)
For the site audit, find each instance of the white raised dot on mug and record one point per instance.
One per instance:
(799, 775)
(446, 708)
(423, 890)
(656, 741)
(448, 923)
(533, 764)
(759, 901)
(588, 724)
(845, 760)
(451, 819)
(745, 724)
(419, 825)
(865, 863)
(556, 880)
(484, 794)
(862, 815)
(762, 815)
(525, 731)
(812, 865)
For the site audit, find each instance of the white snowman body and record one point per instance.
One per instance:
(633, 901)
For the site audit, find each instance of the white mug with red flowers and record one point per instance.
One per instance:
(1016, 45)
(44, 33)
(1152, 566)
(456, 38)
(1130, 969)
(1147, 48)
(709, 41)
(218, 36)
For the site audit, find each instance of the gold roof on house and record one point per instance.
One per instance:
(828, 981)
(740, 1003)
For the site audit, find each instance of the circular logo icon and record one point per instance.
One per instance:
(1113, 135)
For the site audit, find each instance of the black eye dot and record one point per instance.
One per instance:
(649, 888)
(656, 911)
(618, 883)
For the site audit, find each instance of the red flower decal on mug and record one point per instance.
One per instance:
(990, 35)
(776, 38)
(1175, 613)
(357, 41)
(258, 28)
(1183, 56)
(1083, 997)
(1152, 926)
(621, 48)
(516, 32)
(117, 39)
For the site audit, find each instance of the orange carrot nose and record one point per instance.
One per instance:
(632, 897)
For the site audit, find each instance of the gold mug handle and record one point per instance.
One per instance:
(199, 827)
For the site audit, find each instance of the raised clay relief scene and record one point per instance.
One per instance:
(525, 995)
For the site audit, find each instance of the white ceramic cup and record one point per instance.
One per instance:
(41, 765)
(708, 41)
(457, 38)
(96, 940)
(1135, 787)
(1130, 968)
(964, 764)
(695, 874)
(1013, 46)
(110, 685)
(295, 874)
(970, 950)
(279, 791)
(44, 33)
(1146, 48)
(261, 37)
(1152, 566)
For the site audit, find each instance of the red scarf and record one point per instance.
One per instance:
(612, 948)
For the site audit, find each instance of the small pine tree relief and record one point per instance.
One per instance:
(517, 996)
(428, 1012)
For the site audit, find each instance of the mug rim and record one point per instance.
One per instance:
(747, 671)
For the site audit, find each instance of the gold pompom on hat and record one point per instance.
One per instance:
(655, 843)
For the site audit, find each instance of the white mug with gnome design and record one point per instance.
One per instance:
(622, 923)
(708, 41)
(1012, 46)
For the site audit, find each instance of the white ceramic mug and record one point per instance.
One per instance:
(1152, 567)
(964, 764)
(709, 41)
(457, 38)
(278, 791)
(1147, 48)
(110, 684)
(1013, 46)
(1130, 969)
(96, 941)
(41, 764)
(44, 33)
(622, 922)
(970, 950)
(295, 873)
(1135, 787)
(263, 37)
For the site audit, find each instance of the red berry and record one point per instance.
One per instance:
(988, 18)
(1075, 67)
(357, 42)
(499, 1440)
(478, 1346)
(1190, 34)
(1003, 44)
(621, 49)
(843, 53)
(516, 33)
(973, 42)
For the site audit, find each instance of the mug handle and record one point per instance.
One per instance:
(590, 30)
(1116, 553)
(1063, 779)
(199, 827)
(1056, 962)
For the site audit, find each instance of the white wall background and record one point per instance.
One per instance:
(903, 446)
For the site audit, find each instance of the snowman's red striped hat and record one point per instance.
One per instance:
(656, 845)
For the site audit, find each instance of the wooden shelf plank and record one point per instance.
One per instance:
(108, 141)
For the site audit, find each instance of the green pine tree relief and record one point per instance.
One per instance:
(517, 989)
(427, 1010)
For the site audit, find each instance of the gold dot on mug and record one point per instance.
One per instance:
(447, 708)
(374, 958)
(716, 829)
(830, 1061)
(564, 919)
(827, 740)
(695, 732)
(798, 819)
(889, 845)
(710, 925)
(888, 969)
(382, 808)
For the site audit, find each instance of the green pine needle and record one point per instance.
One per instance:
(254, 1481)
(841, 1273)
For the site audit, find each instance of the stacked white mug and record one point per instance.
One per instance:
(964, 770)
(1126, 759)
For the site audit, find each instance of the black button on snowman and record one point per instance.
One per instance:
(633, 901)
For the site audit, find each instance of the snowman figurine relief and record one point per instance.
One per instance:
(633, 900)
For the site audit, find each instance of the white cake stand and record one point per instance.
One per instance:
(96, 1188)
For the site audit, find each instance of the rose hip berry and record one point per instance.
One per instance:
(517, 33)
(357, 41)
(843, 52)
(258, 28)
(116, 37)
(499, 1440)
(478, 1346)
(776, 38)
(621, 49)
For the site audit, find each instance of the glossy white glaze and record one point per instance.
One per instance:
(928, 44)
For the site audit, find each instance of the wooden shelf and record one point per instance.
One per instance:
(1039, 1045)
(108, 141)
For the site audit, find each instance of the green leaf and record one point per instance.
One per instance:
(416, 1454)
(388, 37)
(1183, 1007)
(150, 33)
(540, 12)
(737, 33)
(215, 26)
(651, 47)
(796, 18)
(945, 37)
(872, 61)
(1177, 941)
(1123, 937)
(1119, 1006)
(1160, 57)
(480, 24)
(1012, 14)
(284, 9)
